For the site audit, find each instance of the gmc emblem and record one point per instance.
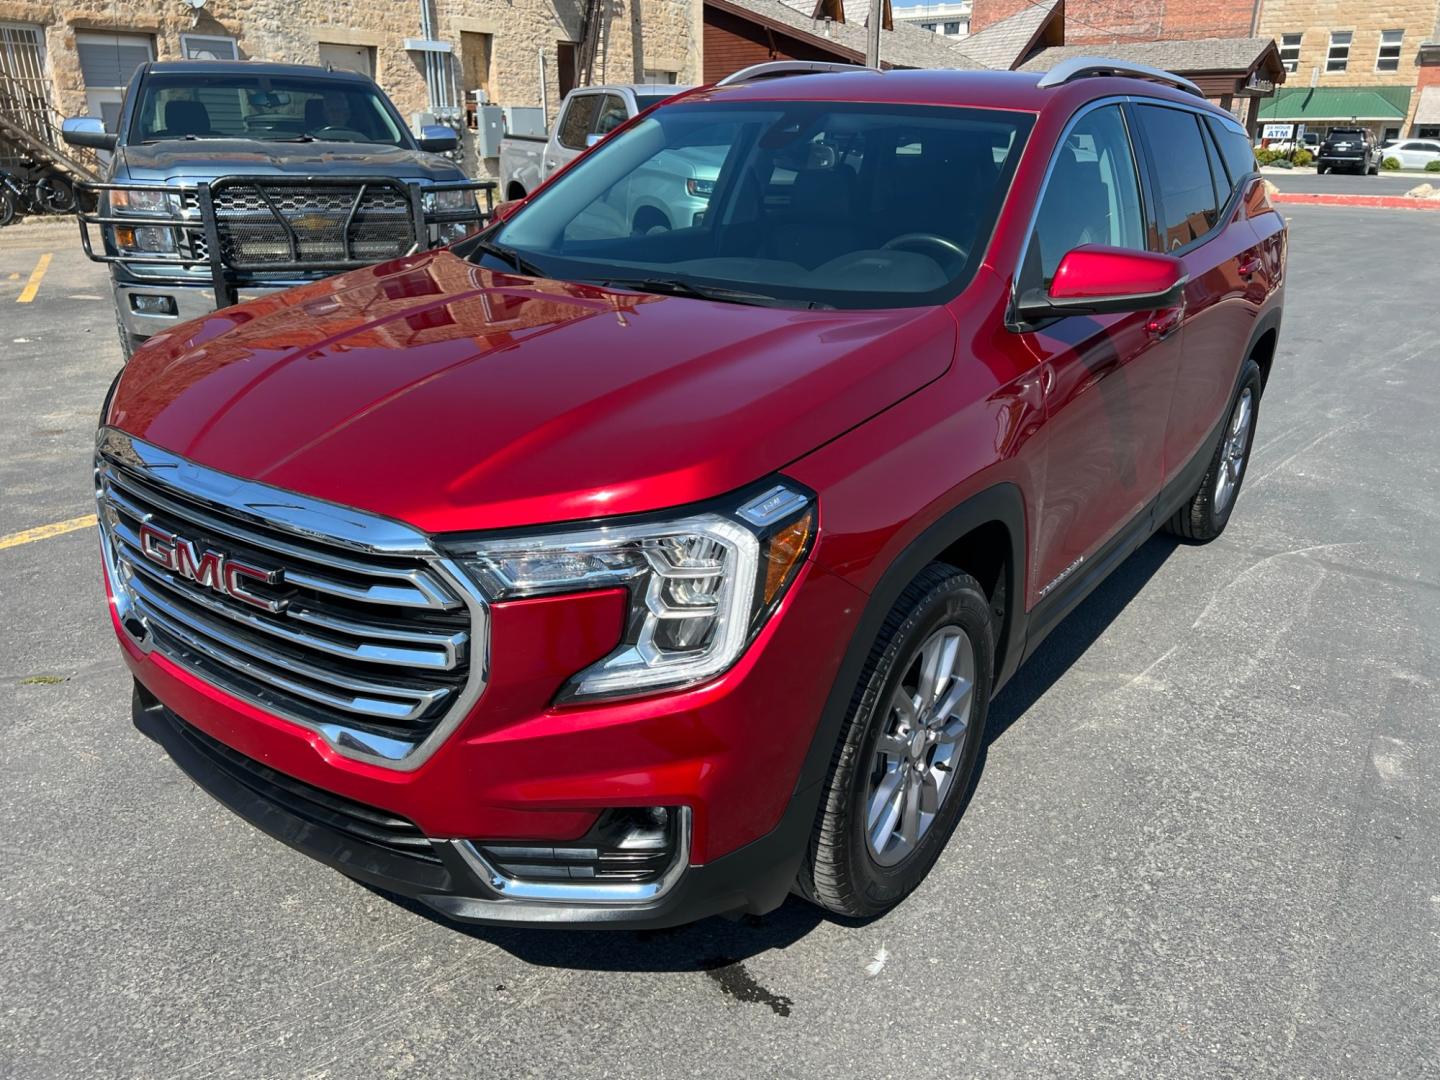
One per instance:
(212, 569)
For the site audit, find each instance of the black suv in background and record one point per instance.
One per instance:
(1349, 148)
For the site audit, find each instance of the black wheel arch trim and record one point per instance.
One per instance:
(1001, 503)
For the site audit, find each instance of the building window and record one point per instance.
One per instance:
(928, 26)
(952, 28)
(1290, 51)
(106, 63)
(1388, 58)
(659, 77)
(1428, 131)
(1338, 58)
(206, 47)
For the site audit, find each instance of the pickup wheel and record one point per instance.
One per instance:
(1207, 512)
(901, 772)
(128, 342)
(649, 220)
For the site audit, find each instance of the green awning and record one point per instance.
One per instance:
(1330, 103)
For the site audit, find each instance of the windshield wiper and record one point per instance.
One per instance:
(511, 256)
(671, 287)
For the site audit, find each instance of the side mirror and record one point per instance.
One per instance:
(88, 131)
(437, 139)
(1096, 280)
(592, 139)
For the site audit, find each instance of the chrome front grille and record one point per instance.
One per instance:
(346, 623)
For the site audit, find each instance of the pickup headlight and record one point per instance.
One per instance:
(701, 586)
(447, 204)
(141, 203)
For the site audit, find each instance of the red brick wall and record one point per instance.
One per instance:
(1139, 20)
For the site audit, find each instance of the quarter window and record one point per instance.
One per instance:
(1388, 58)
(1091, 197)
(1235, 149)
(1338, 57)
(1290, 51)
(1188, 206)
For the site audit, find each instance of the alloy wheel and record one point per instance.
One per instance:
(920, 746)
(1237, 446)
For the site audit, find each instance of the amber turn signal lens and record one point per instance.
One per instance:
(783, 553)
(125, 237)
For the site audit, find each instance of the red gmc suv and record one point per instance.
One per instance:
(587, 573)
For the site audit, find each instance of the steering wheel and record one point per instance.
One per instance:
(914, 240)
(340, 134)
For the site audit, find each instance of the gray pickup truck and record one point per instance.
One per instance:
(229, 179)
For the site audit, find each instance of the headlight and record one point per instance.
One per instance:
(449, 202)
(701, 189)
(140, 201)
(700, 586)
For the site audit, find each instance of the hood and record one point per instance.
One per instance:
(177, 160)
(433, 391)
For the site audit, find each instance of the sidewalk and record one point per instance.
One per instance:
(1309, 170)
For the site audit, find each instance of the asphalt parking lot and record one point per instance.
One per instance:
(1203, 843)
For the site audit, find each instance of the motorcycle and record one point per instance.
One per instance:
(47, 193)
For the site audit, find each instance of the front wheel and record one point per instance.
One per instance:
(901, 770)
(1207, 513)
(7, 208)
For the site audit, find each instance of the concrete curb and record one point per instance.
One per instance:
(1386, 202)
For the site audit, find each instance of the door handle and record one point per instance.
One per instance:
(1164, 323)
(1250, 266)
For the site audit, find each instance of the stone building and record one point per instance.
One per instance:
(1356, 63)
(80, 53)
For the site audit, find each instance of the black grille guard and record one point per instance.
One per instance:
(214, 223)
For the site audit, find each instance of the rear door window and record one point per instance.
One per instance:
(1188, 206)
(578, 121)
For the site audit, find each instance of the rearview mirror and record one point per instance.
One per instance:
(437, 139)
(88, 131)
(1096, 280)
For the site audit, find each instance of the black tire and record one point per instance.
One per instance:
(55, 195)
(1320, 170)
(649, 220)
(840, 872)
(7, 208)
(128, 342)
(1206, 514)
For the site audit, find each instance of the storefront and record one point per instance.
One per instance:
(1381, 109)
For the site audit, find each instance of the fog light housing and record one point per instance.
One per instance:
(151, 304)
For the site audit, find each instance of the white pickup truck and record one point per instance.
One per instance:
(587, 115)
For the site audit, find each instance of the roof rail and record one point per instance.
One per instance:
(1078, 67)
(778, 69)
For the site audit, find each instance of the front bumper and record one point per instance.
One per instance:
(445, 875)
(189, 301)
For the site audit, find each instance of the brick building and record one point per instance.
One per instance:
(78, 54)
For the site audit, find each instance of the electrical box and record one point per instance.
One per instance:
(489, 127)
(524, 120)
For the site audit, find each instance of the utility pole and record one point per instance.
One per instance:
(872, 33)
(637, 42)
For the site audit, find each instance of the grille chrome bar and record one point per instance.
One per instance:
(370, 637)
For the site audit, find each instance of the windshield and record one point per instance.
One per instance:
(270, 108)
(806, 204)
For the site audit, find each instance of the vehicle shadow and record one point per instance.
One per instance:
(718, 946)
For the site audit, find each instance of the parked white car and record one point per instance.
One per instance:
(1412, 153)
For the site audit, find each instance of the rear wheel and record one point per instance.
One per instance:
(900, 773)
(1206, 514)
(54, 194)
(7, 208)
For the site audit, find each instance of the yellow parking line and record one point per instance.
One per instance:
(14, 275)
(33, 285)
(43, 532)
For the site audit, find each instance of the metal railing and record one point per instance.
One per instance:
(313, 225)
(30, 131)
